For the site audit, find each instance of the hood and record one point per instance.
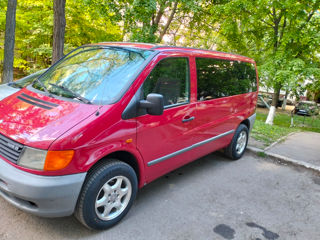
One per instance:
(36, 120)
(6, 90)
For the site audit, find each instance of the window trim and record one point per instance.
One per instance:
(189, 76)
(223, 59)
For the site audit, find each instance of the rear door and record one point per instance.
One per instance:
(223, 100)
(161, 140)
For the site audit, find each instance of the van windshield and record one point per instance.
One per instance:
(100, 75)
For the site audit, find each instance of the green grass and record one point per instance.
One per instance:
(281, 126)
(261, 154)
(269, 133)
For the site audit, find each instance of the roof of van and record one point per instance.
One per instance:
(163, 48)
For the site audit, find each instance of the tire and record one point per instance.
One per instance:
(236, 149)
(107, 195)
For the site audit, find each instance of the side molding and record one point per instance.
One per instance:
(171, 155)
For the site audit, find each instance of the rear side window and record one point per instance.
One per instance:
(170, 78)
(222, 78)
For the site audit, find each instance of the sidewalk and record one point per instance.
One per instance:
(301, 148)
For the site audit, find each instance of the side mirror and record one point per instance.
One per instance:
(154, 104)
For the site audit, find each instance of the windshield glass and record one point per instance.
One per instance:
(98, 74)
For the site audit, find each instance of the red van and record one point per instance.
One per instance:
(109, 118)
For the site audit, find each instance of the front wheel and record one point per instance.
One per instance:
(107, 195)
(239, 142)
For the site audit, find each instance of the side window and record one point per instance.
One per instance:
(170, 78)
(222, 78)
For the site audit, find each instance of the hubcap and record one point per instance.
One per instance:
(113, 198)
(241, 142)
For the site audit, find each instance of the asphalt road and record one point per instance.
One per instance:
(211, 198)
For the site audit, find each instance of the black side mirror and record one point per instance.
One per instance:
(154, 104)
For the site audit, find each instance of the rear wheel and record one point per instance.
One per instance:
(107, 195)
(239, 142)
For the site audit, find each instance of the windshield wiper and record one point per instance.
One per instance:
(43, 86)
(74, 94)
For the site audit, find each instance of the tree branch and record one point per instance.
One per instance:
(168, 22)
(269, 24)
(283, 27)
(159, 15)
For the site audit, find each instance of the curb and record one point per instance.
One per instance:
(278, 141)
(283, 159)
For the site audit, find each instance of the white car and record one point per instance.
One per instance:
(13, 87)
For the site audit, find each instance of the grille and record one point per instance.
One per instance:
(9, 149)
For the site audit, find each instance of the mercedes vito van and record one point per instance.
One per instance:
(109, 118)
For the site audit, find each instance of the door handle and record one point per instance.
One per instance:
(188, 119)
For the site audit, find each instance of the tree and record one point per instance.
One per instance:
(34, 31)
(7, 75)
(58, 29)
(146, 20)
(282, 35)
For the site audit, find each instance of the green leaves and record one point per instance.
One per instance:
(281, 35)
(33, 48)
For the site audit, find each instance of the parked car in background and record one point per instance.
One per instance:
(13, 87)
(307, 108)
(260, 102)
(267, 97)
(279, 104)
(290, 102)
(110, 118)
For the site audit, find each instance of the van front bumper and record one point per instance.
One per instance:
(45, 196)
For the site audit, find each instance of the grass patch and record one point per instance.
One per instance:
(281, 126)
(269, 133)
(261, 154)
(311, 124)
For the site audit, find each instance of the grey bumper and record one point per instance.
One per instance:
(46, 196)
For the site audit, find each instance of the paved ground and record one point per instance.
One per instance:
(212, 198)
(303, 146)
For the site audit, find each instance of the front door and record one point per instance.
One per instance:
(162, 140)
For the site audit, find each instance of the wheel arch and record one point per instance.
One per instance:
(249, 122)
(126, 157)
(246, 122)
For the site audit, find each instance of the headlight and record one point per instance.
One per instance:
(33, 158)
(45, 160)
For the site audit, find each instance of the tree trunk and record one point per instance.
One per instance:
(272, 110)
(275, 97)
(7, 75)
(58, 29)
(284, 104)
(271, 114)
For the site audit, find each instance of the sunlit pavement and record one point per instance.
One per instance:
(301, 146)
(211, 198)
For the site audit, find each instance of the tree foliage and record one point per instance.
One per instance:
(146, 20)
(34, 31)
(283, 36)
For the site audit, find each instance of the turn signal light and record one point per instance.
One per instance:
(57, 160)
